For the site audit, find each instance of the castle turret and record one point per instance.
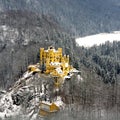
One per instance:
(54, 62)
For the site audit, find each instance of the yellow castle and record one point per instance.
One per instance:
(53, 62)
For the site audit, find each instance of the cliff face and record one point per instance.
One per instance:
(24, 97)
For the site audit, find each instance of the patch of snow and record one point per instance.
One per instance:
(59, 70)
(74, 70)
(66, 64)
(46, 102)
(2, 91)
(79, 78)
(55, 64)
(98, 39)
(26, 41)
(27, 74)
(34, 116)
(59, 102)
(4, 27)
(7, 107)
(57, 90)
(51, 49)
(8, 34)
(67, 77)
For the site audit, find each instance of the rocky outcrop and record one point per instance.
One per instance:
(25, 95)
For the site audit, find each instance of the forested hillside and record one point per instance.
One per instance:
(79, 17)
(21, 36)
(104, 60)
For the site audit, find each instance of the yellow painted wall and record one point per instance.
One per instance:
(52, 56)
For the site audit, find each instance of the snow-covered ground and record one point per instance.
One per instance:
(98, 39)
(7, 108)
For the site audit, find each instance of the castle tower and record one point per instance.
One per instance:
(53, 62)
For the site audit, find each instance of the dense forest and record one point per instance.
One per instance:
(79, 17)
(104, 60)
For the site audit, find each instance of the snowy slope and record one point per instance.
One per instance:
(98, 39)
(25, 95)
(7, 108)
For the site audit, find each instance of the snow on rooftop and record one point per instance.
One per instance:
(67, 77)
(55, 63)
(58, 69)
(98, 39)
(46, 102)
(74, 70)
(51, 49)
